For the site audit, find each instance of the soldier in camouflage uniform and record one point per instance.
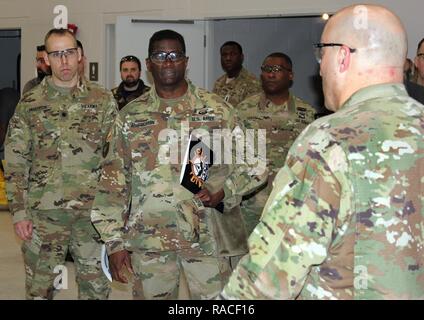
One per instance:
(237, 83)
(345, 218)
(168, 230)
(53, 151)
(282, 115)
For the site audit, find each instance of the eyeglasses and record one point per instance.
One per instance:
(67, 53)
(274, 69)
(318, 49)
(162, 56)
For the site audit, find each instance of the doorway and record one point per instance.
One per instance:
(10, 78)
(10, 58)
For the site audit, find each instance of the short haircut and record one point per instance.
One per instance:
(419, 45)
(233, 44)
(282, 56)
(166, 35)
(59, 32)
(41, 48)
(79, 45)
(130, 58)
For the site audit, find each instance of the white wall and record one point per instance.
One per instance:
(35, 17)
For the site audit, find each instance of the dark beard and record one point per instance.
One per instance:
(131, 83)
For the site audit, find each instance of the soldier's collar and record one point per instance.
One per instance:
(376, 91)
(191, 90)
(81, 90)
(243, 74)
(52, 87)
(290, 103)
(53, 91)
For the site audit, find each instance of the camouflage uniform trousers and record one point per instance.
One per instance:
(157, 274)
(53, 232)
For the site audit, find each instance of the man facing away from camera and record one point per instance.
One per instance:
(345, 217)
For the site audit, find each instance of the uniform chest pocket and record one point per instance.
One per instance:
(143, 143)
(88, 125)
(45, 132)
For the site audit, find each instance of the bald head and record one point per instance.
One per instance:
(374, 30)
(379, 42)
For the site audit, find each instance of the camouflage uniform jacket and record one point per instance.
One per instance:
(238, 89)
(136, 177)
(54, 146)
(31, 84)
(345, 218)
(124, 97)
(283, 123)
